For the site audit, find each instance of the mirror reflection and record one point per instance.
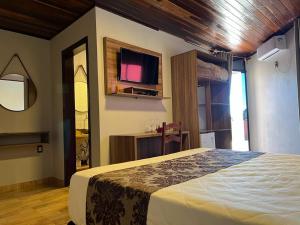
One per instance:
(81, 103)
(18, 92)
(81, 90)
(82, 136)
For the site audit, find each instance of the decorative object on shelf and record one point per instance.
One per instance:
(18, 91)
(212, 71)
(81, 90)
(152, 125)
(83, 155)
(140, 91)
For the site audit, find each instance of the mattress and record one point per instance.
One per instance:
(261, 190)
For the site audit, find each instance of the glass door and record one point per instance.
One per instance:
(239, 111)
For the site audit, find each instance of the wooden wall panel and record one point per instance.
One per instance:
(184, 94)
(111, 49)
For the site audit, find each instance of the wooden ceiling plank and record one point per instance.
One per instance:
(216, 24)
(71, 13)
(295, 5)
(264, 8)
(255, 16)
(187, 29)
(38, 11)
(230, 13)
(284, 8)
(14, 16)
(43, 14)
(74, 7)
(157, 18)
(208, 35)
(289, 6)
(26, 29)
(236, 25)
(207, 30)
(228, 22)
(162, 17)
(247, 32)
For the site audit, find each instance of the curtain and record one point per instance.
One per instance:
(238, 64)
(227, 56)
(297, 45)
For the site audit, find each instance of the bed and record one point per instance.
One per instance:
(194, 187)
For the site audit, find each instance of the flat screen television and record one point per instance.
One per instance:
(137, 67)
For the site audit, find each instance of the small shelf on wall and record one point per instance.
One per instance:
(23, 139)
(137, 92)
(215, 130)
(220, 104)
(122, 94)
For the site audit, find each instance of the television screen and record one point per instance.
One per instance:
(138, 67)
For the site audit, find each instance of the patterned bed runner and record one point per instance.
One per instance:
(121, 197)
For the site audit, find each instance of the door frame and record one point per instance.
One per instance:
(67, 56)
(246, 95)
(240, 66)
(248, 116)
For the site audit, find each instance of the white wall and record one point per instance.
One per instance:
(110, 115)
(119, 115)
(273, 102)
(83, 27)
(21, 164)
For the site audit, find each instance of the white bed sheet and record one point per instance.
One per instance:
(261, 191)
(79, 182)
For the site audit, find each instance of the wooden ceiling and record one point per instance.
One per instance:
(41, 18)
(234, 25)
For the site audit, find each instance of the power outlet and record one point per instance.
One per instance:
(39, 149)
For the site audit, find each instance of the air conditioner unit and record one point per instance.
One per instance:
(271, 47)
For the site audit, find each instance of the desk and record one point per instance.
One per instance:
(124, 148)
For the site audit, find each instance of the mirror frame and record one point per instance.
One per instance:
(3, 74)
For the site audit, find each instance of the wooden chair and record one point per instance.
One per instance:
(171, 133)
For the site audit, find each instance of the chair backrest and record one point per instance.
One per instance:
(171, 133)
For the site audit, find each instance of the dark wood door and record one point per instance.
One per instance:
(69, 116)
(69, 109)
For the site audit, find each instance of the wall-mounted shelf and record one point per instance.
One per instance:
(219, 104)
(122, 94)
(23, 139)
(215, 130)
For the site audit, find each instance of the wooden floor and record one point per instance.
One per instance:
(45, 206)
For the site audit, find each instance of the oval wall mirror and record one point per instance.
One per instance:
(18, 91)
(81, 90)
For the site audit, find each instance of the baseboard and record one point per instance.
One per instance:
(32, 185)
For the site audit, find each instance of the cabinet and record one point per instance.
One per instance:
(201, 91)
(124, 148)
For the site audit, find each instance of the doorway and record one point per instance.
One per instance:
(239, 111)
(76, 110)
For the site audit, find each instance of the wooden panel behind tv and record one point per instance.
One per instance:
(111, 49)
